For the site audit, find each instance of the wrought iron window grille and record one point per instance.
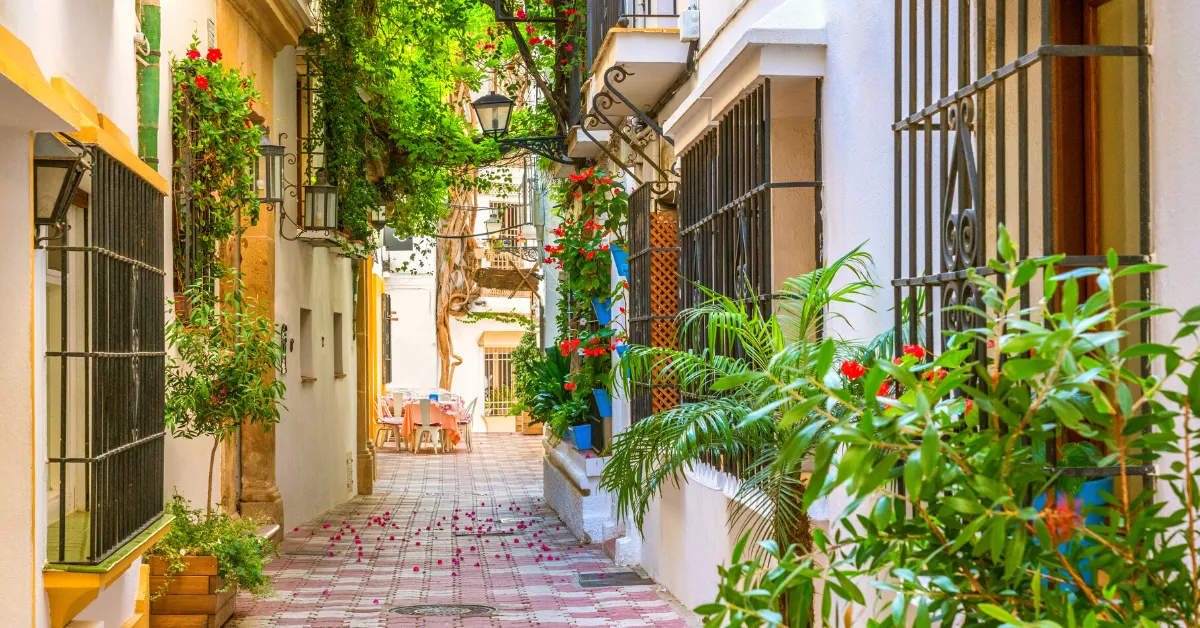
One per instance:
(110, 363)
(963, 167)
(726, 206)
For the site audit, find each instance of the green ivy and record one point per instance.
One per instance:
(524, 320)
(389, 73)
(217, 145)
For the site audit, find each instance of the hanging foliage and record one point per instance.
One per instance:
(394, 78)
(216, 145)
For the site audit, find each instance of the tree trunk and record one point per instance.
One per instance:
(212, 459)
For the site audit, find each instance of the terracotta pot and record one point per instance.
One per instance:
(191, 599)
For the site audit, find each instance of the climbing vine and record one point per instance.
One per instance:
(394, 78)
(524, 320)
(216, 146)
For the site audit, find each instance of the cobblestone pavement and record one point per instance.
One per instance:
(450, 530)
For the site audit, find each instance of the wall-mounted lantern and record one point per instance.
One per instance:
(268, 170)
(320, 204)
(57, 172)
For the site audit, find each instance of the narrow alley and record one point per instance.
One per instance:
(469, 536)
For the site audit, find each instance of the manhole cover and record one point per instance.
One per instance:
(445, 610)
(613, 579)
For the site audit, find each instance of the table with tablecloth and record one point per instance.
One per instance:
(445, 413)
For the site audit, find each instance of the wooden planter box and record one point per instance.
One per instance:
(191, 599)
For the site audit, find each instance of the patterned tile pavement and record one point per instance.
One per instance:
(450, 529)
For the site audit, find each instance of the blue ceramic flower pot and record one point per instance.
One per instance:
(621, 259)
(603, 401)
(621, 349)
(603, 311)
(1088, 496)
(582, 435)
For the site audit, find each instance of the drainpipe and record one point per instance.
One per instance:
(149, 80)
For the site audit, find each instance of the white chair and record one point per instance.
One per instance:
(465, 422)
(427, 429)
(389, 426)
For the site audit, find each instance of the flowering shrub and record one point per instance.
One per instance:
(221, 373)
(946, 467)
(580, 250)
(216, 145)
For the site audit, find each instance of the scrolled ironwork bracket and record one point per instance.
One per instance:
(552, 147)
(618, 74)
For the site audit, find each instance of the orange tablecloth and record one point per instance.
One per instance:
(448, 420)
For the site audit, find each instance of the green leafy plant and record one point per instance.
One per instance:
(734, 411)
(241, 554)
(221, 373)
(392, 78)
(216, 146)
(944, 465)
(524, 320)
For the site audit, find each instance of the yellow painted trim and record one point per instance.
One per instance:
(501, 338)
(18, 65)
(69, 592)
(96, 128)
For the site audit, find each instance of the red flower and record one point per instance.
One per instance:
(520, 14)
(529, 29)
(578, 195)
(883, 389)
(201, 82)
(934, 376)
(249, 124)
(193, 54)
(569, 48)
(214, 55)
(591, 254)
(852, 369)
(622, 310)
(970, 406)
(1061, 520)
(916, 351)
(569, 385)
(533, 41)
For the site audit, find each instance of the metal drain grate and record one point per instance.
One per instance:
(445, 610)
(613, 579)
(526, 520)
(473, 533)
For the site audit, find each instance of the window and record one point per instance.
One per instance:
(653, 292)
(307, 372)
(1040, 123)
(105, 366)
(339, 347)
(1031, 117)
(498, 380)
(739, 191)
(512, 217)
(386, 332)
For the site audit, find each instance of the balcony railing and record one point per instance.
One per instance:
(604, 15)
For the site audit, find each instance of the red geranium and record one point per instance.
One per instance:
(916, 351)
(214, 55)
(852, 369)
(193, 54)
(201, 82)
(569, 385)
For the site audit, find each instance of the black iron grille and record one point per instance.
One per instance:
(1036, 119)
(106, 464)
(726, 206)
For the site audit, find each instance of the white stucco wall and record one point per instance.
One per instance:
(414, 339)
(315, 439)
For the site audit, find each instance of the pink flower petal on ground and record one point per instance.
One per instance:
(375, 601)
(416, 569)
(325, 592)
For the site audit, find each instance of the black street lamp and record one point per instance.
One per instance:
(494, 112)
(268, 170)
(320, 204)
(379, 218)
(57, 173)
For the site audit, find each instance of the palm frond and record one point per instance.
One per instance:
(805, 300)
